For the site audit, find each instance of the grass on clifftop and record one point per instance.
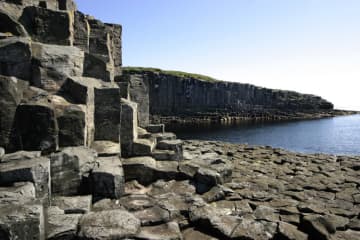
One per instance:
(173, 73)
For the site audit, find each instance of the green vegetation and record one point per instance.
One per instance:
(173, 73)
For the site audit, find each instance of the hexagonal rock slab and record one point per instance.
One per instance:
(110, 224)
(168, 231)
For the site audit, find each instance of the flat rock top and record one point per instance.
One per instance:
(25, 163)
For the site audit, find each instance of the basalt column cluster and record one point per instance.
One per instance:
(71, 145)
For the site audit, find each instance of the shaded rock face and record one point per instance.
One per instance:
(11, 91)
(15, 57)
(171, 95)
(48, 26)
(35, 128)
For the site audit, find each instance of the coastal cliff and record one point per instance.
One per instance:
(170, 96)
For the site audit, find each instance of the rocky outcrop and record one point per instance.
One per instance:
(192, 97)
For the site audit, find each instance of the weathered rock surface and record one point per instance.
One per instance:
(60, 225)
(108, 178)
(36, 170)
(48, 26)
(35, 127)
(15, 57)
(11, 92)
(14, 219)
(53, 64)
(114, 224)
(70, 170)
(73, 205)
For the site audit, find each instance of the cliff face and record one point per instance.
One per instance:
(174, 94)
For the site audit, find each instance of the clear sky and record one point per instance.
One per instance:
(310, 46)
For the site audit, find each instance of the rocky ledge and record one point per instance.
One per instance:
(218, 191)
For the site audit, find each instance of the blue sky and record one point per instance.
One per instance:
(311, 46)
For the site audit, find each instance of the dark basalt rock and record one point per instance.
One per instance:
(36, 170)
(53, 64)
(11, 92)
(81, 31)
(10, 26)
(48, 26)
(70, 170)
(15, 218)
(35, 128)
(188, 97)
(72, 127)
(96, 67)
(107, 178)
(15, 57)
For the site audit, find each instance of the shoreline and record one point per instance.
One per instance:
(247, 118)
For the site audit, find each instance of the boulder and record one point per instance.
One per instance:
(107, 113)
(15, 57)
(152, 216)
(128, 127)
(70, 170)
(35, 127)
(11, 26)
(53, 64)
(321, 227)
(100, 42)
(110, 224)
(73, 205)
(108, 178)
(11, 93)
(96, 67)
(80, 90)
(72, 126)
(48, 26)
(36, 170)
(21, 222)
(81, 31)
(60, 225)
(18, 193)
(141, 169)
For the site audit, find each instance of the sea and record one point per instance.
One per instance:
(337, 135)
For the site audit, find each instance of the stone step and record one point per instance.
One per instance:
(175, 145)
(143, 147)
(164, 136)
(166, 155)
(156, 128)
(142, 133)
(106, 148)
